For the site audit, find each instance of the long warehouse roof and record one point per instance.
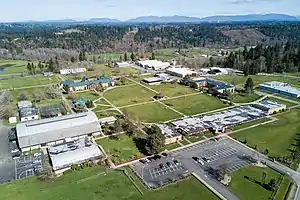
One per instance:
(58, 128)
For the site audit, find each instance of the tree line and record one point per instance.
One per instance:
(269, 59)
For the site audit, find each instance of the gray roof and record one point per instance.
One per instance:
(75, 152)
(24, 104)
(27, 112)
(58, 128)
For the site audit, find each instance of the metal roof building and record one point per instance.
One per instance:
(42, 132)
(281, 88)
(63, 156)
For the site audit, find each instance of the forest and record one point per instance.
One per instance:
(41, 43)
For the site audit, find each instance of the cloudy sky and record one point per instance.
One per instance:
(20, 10)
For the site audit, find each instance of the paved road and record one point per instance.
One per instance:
(6, 161)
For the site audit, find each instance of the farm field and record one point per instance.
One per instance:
(172, 90)
(128, 95)
(113, 186)
(29, 81)
(284, 130)
(195, 104)
(245, 188)
(120, 148)
(152, 113)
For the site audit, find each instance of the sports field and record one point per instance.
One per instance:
(195, 104)
(28, 82)
(152, 113)
(92, 184)
(121, 148)
(246, 188)
(128, 95)
(277, 136)
(172, 90)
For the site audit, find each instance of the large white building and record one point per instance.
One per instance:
(154, 64)
(72, 70)
(52, 131)
(180, 71)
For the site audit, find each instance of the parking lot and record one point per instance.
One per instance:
(211, 156)
(28, 165)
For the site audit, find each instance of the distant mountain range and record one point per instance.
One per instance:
(184, 19)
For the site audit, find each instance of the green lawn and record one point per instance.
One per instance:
(284, 187)
(247, 124)
(100, 108)
(48, 102)
(245, 98)
(277, 136)
(196, 104)
(249, 189)
(141, 77)
(91, 95)
(195, 138)
(257, 79)
(172, 90)
(28, 82)
(102, 101)
(128, 95)
(107, 113)
(86, 184)
(152, 113)
(172, 146)
(288, 104)
(121, 148)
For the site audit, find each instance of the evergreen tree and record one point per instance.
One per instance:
(125, 57)
(155, 141)
(29, 68)
(132, 56)
(152, 56)
(249, 85)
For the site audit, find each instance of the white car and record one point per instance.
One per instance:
(37, 154)
(200, 162)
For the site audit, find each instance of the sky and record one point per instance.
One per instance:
(21, 10)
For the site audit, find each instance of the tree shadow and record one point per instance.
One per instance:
(140, 143)
(263, 185)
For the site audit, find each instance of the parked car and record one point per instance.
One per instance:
(161, 165)
(164, 154)
(176, 162)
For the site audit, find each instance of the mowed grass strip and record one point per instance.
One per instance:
(90, 184)
(122, 96)
(120, 148)
(249, 189)
(28, 82)
(195, 104)
(251, 123)
(152, 113)
(277, 136)
(172, 90)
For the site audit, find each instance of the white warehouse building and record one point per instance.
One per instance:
(154, 64)
(47, 132)
(180, 71)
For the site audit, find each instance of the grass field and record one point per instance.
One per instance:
(121, 148)
(91, 95)
(107, 113)
(246, 189)
(100, 108)
(172, 146)
(172, 90)
(13, 66)
(257, 79)
(85, 184)
(28, 82)
(277, 136)
(152, 113)
(196, 104)
(128, 95)
(245, 98)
